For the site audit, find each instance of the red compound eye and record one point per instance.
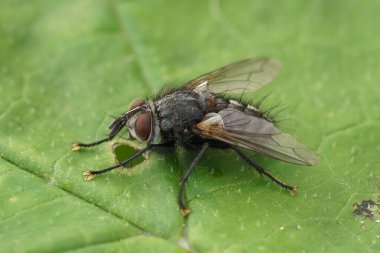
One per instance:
(137, 103)
(143, 126)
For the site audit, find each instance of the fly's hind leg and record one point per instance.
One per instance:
(184, 209)
(262, 171)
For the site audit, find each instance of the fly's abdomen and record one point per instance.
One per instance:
(222, 103)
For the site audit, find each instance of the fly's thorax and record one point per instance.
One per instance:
(207, 101)
(178, 111)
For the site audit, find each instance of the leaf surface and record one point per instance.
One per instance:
(66, 65)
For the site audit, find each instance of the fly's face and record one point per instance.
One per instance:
(139, 120)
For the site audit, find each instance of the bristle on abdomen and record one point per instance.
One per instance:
(247, 108)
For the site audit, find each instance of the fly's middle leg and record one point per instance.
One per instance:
(184, 209)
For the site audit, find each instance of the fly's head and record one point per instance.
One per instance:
(140, 122)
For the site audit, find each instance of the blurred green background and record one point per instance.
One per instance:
(66, 65)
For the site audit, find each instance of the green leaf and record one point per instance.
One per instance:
(66, 65)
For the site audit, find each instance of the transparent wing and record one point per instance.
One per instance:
(243, 76)
(257, 134)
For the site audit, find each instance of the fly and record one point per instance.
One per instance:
(198, 115)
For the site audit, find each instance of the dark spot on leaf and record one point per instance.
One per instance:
(123, 151)
(367, 209)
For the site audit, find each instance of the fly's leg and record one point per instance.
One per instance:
(184, 210)
(89, 174)
(115, 127)
(262, 171)
(79, 145)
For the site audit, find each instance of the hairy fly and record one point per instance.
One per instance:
(198, 115)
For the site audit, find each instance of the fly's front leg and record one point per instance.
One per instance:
(115, 128)
(89, 174)
(184, 210)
